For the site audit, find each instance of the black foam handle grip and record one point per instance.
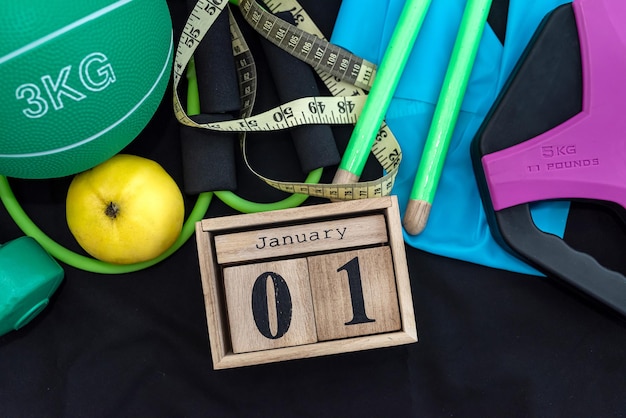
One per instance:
(208, 157)
(555, 257)
(315, 144)
(218, 86)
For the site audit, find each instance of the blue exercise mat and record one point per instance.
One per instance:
(457, 225)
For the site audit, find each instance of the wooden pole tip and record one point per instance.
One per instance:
(345, 177)
(416, 216)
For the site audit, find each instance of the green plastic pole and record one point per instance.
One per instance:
(385, 82)
(446, 115)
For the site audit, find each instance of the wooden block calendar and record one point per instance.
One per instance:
(305, 282)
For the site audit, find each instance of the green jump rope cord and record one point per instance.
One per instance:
(91, 264)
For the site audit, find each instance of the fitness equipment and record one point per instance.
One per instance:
(79, 81)
(28, 278)
(569, 145)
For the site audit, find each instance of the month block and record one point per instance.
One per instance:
(303, 282)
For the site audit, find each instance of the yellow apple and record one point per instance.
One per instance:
(126, 210)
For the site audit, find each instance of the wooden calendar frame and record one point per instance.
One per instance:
(208, 230)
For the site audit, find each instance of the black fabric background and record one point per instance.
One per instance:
(492, 343)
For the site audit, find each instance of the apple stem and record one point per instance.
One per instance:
(112, 210)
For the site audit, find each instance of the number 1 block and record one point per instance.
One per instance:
(354, 293)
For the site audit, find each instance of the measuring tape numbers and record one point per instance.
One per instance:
(346, 76)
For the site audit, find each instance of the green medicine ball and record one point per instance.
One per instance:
(80, 80)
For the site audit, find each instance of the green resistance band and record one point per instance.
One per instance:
(197, 213)
(89, 264)
(82, 262)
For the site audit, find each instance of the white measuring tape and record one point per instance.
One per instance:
(345, 75)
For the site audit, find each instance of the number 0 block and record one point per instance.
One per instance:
(269, 305)
(304, 282)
